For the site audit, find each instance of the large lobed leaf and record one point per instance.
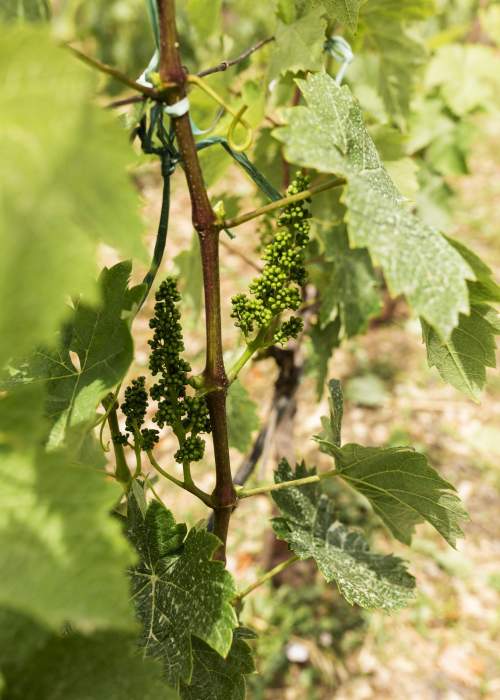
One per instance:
(299, 45)
(178, 590)
(329, 135)
(308, 523)
(64, 186)
(216, 678)
(94, 353)
(401, 486)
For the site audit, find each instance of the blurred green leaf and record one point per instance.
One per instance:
(299, 45)
(242, 417)
(64, 186)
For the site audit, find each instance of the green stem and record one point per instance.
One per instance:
(122, 471)
(285, 201)
(246, 493)
(115, 73)
(267, 576)
(191, 487)
(247, 354)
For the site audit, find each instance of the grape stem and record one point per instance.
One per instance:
(224, 65)
(281, 203)
(266, 577)
(186, 485)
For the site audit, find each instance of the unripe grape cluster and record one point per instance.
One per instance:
(278, 288)
(134, 407)
(186, 415)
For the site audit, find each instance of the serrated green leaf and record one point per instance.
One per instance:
(351, 286)
(329, 135)
(64, 186)
(483, 288)
(100, 338)
(216, 678)
(346, 11)
(178, 590)
(63, 557)
(299, 45)
(462, 360)
(402, 487)
(102, 666)
(309, 525)
(324, 341)
(242, 417)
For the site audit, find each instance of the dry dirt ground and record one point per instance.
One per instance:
(446, 645)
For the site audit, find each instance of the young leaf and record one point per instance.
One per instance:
(308, 524)
(242, 417)
(178, 590)
(102, 666)
(299, 45)
(329, 135)
(100, 338)
(462, 360)
(401, 487)
(217, 678)
(63, 557)
(64, 186)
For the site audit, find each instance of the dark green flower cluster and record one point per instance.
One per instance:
(186, 415)
(278, 288)
(134, 407)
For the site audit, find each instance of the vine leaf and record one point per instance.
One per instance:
(346, 11)
(462, 360)
(299, 45)
(99, 336)
(351, 284)
(63, 558)
(402, 488)
(329, 135)
(308, 524)
(104, 665)
(178, 590)
(216, 678)
(401, 56)
(64, 187)
(242, 417)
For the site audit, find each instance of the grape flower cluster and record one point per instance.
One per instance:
(278, 288)
(186, 415)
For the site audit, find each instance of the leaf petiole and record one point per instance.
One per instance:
(246, 493)
(266, 577)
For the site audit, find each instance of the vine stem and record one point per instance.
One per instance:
(224, 65)
(205, 222)
(267, 576)
(285, 201)
(246, 493)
